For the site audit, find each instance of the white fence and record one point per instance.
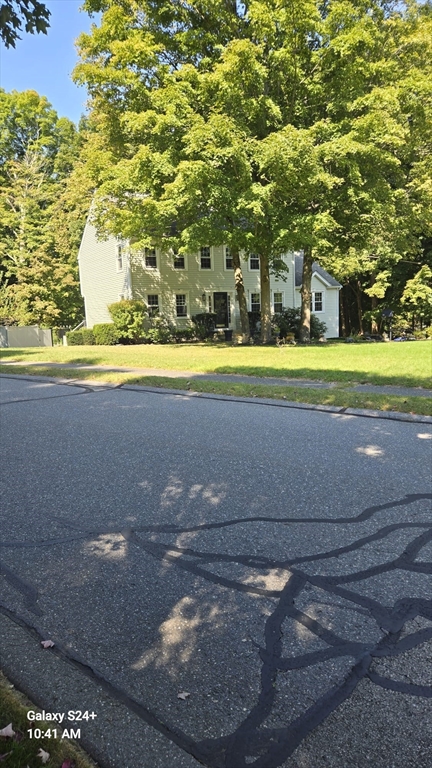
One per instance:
(25, 336)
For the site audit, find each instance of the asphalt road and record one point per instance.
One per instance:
(272, 563)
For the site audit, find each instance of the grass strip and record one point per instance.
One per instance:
(20, 750)
(337, 396)
(406, 364)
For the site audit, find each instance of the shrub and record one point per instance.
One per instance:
(318, 327)
(105, 333)
(74, 338)
(160, 331)
(288, 321)
(254, 322)
(128, 316)
(428, 332)
(87, 336)
(399, 323)
(185, 334)
(355, 338)
(205, 324)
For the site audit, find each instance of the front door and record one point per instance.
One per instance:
(220, 303)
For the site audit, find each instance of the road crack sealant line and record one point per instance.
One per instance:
(268, 746)
(251, 560)
(86, 388)
(89, 387)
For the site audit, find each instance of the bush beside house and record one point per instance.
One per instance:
(105, 334)
(205, 324)
(128, 317)
(132, 325)
(85, 336)
(288, 322)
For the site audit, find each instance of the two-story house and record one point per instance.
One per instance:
(182, 287)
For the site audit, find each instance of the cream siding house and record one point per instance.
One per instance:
(325, 295)
(189, 285)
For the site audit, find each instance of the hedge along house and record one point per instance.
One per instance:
(183, 286)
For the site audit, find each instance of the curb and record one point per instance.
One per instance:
(101, 386)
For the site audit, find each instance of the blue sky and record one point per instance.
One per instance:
(44, 63)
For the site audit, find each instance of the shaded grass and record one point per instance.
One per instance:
(337, 396)
(22, 751)
(408, 364)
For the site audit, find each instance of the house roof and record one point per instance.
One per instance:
(333, 283)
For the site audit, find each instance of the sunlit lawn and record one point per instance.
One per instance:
(408, 364)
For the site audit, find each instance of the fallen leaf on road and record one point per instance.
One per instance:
(184, 695)
(47, 644)
(44, 756)
(8, 731)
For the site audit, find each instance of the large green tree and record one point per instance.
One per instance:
(40, 223)
(375, 273)
(266, 125)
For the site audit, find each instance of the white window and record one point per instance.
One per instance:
(254, 263)
(255, 302)
(228, 258)
(205, 258)
(153, 304)
(179, 261)
(277, 301)
(181, 305)
(317, 301)
(119, 259)
(150, 258)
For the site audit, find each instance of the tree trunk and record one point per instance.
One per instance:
(374, 324)
(241, 295)
(359, 306)
(346, 306)
(306, 296)
(266, 333)
(374, 305)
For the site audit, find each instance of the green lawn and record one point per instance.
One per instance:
(345, 364)
(408, 364)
